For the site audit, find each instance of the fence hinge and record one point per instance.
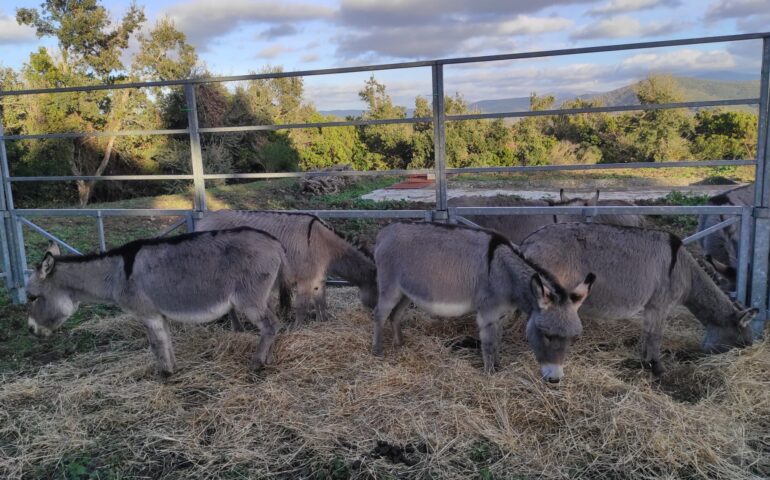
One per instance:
(440, 215)
(761, 212)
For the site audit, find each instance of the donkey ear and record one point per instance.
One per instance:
(746, 316)
(53, 248)
(580, 292)
(541, 292)
(46, 267)
(718, 266)
(593, 201)
(562, 197)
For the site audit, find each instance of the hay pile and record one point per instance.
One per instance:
(328, 409)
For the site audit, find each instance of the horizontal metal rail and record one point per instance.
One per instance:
(618, 108)
(604, 166)
(117, 133)
(388, 121)
(93, 212)
(377, 173)
(395, 66)
(600, 210)
(120, 178)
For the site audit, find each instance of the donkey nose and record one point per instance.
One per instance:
(31, 329)
(554, 380)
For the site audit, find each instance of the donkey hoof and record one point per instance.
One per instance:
(655, 366)
(163, 376)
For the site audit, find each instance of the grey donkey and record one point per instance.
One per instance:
(721, 247)
(449, 270)
(641, 272)
(518, 227)
(191, 278)
(314, 251)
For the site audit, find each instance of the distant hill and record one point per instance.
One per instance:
(693, 88)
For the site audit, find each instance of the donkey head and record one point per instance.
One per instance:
(736, 332)
(554, 323)
(50, 305)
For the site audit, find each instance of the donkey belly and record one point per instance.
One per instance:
(444, 309)
(201, 314)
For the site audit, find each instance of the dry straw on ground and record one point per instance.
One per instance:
(328, 409)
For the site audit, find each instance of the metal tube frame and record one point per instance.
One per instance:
(752, 219)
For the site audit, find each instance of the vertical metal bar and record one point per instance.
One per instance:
(100, 230)
(6, 254)
(439, 142)
(14, 239)
(743, 255)
(196, 156)
(190, 222)
(761, 244)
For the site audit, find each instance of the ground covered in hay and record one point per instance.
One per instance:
(328, 409)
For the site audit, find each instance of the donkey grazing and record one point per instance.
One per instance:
(191, 278)
(722, 246)
(518, 227)
(314, 250)
(640, 272)
(448, 270)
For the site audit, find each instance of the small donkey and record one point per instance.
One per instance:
(313, 249)
(448, 270)
(191, 278)
(643, 272)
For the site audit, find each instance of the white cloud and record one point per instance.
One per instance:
(623, 26)
(11, 32)
(740, 9)
(431, 41)
(623, 6)
(526, 25)
(394, 13)
(680, 61)
(280, 30)
(310, 57)
(204, 20)
(272, 51)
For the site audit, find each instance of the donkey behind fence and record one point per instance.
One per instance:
(190, 278)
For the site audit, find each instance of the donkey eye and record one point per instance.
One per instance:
(548, 337)
(31, 298)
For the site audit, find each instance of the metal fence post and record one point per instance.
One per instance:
(439, 142)
(196, 156)
(14, 262)
(761, 247)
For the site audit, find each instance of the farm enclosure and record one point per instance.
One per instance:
(425, 411)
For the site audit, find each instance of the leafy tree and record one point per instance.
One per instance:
(725, 135)
(390, 144)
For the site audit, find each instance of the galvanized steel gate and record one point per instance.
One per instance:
(754, 220)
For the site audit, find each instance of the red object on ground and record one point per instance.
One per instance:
(412, 182)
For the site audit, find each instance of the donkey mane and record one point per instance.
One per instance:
(131, 249)
(709, 270)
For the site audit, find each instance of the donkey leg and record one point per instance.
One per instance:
(489, 333)
(652, 335)
(382, 311)
(304, 300)
(266, 321)
(160, 343)
(319, 301)
(235, 322)
(395, 320)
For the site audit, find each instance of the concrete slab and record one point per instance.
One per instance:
(428, 194)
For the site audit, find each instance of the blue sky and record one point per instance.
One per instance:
(241, 36)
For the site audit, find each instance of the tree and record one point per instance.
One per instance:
(660, 135)
(90, 47)
(390, 144)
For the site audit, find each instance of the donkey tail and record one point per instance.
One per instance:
(286, 280)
